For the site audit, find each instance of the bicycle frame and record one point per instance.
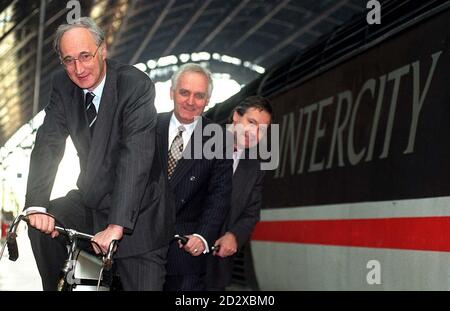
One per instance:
(68, 280)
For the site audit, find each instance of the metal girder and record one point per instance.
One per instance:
(186, 28)
(152, 32)
(258, 25)
(123, 27)
(55, 17)
(219, 28)
(301, 31)
(136, 22)
(37, 76)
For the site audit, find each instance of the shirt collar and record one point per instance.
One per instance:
(98, 91)
(175, 124)
(239, 152)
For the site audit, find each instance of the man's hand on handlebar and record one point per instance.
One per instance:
(104, 238)
(43, 223)
(226, 246)
(194, 246)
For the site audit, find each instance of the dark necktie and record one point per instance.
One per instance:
(175, 152)
(91, 113)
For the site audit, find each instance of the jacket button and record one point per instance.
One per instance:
(192, 178)
(182, 201)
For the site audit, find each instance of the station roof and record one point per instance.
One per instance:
(238, 37)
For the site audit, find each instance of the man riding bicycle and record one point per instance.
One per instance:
(107, 109)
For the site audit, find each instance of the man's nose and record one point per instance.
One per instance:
(191, 100)
(253, 131)
(79, 68)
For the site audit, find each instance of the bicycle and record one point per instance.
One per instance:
(79, 266)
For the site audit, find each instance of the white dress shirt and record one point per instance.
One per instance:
(174, 128)
(236, 157)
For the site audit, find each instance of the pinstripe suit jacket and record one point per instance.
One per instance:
(201, 190)
(117, 180)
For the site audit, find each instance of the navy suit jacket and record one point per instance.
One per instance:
(244, 214)
(201, 190)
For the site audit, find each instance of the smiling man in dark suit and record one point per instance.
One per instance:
(201, 185)
(107, 109)
(250, 120)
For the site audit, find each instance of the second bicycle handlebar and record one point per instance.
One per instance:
(184, 239)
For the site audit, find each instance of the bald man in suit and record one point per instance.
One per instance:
(107, 110)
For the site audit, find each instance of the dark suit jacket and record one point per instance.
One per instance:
(201, 190)
(117, 180)
(245, 210)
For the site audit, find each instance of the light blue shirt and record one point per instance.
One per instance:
(98, 91)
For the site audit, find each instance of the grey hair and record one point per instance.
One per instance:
(83, 22)
(192, 67)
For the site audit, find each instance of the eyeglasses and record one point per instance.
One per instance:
(84, 57)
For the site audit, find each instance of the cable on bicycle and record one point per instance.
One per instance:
(11, 236)
(100, 278)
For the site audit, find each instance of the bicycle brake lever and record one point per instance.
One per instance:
(108, 260)
(183, 240)
(215, 248)
(11, 243)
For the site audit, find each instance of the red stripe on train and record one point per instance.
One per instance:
(415, 233)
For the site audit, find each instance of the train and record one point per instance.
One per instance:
(360, 198)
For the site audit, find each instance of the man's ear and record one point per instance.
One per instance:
(172, 95)
(104, 50)
(236, 117)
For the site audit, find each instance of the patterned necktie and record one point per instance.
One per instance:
(175, 151)
(90, 110)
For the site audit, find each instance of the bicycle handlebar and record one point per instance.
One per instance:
(11, 241)
(71, 233)
(184, 239)
(13, 249)
(73, 236)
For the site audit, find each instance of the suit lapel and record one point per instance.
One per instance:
(162, 133)
(82, 133)
(184, 165)
(243, 180)
(181, 169)
(108, 106)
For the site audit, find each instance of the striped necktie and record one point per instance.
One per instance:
(91, 113)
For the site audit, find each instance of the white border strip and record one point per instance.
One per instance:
(437, 206)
